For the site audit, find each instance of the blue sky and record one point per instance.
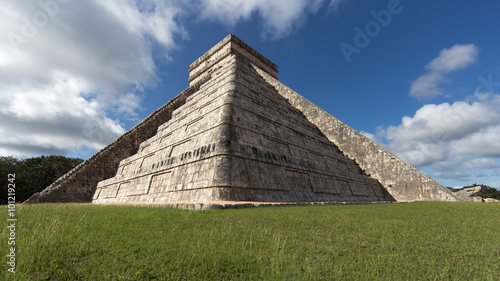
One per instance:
(421, 78)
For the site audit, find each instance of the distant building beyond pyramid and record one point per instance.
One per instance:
(238, 134)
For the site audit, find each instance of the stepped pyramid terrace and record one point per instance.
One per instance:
(238, 134)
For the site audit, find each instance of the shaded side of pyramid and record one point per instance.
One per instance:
(403, 181)
(238, 134)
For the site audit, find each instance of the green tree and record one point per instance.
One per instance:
(489, 192)
(33, 174)
(8, 165)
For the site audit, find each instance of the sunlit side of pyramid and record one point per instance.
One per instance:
(238, 134)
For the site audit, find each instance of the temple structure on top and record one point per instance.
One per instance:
(238, 134)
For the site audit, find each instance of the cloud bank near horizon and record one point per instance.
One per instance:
(427, 86)
(454, 140)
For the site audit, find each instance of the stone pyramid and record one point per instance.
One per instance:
(238, 134)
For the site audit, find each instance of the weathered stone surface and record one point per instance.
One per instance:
(212, 206)
(239, 206)
(403, 181)
(470, 194)
(238, 134)
(237, 139)
(476, 199)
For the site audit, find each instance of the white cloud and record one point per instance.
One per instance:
(444, 122)
(479, 174)
(460, 175)
(334, 5)
(437, 131)
(66, 66)
(427, 85)
(455, 58)
(450, 137)
(156, 19)
(279, 17)
(481, 163)
(52, 120)
(495, 184)
(452, 175)
(483, 143)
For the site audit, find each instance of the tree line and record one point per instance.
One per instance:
(32, 174)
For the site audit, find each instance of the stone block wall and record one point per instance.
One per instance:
(178, 162)
(237, 139)
(403, 181)
(80, 183)
(276, 154)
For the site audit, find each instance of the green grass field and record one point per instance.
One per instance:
(411, 241)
